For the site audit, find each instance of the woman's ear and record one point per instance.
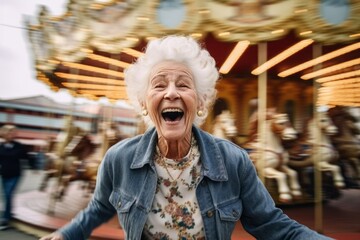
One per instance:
(201, 103)
(143, 109)
(200, 107)
(142, 103)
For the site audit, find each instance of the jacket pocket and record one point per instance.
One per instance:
(123, 204)
(229, 214)
(230, 211)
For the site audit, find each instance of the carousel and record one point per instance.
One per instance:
(288, 94)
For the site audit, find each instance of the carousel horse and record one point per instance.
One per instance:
(76, 166)
(108, 135)
(81, 158)
(224, 126)
(68, 165)
(55, 156)
(316, 146)
(347, 142)
(275, 158)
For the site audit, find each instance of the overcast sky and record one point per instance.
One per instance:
(17, 72)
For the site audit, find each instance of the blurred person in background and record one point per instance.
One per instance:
(11, 154)
(177, 181)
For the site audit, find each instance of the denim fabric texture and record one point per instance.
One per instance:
(229, 191)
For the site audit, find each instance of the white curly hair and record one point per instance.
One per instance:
(183, 49)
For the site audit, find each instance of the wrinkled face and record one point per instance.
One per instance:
(171, 100)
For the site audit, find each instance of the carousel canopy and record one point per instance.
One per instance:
(87, 49)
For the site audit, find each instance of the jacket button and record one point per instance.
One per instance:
(235, 213)
(119, 204)
(209, 214)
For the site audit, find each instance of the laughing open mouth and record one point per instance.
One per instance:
(172, 114)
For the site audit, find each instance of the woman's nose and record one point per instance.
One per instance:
(171, 92)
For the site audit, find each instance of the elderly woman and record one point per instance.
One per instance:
(176, 181)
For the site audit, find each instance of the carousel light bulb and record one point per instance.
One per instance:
(235, 54)
(320, 59)
(331, 69)
(282, 56)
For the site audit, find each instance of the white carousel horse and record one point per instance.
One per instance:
(323, 151)
(224, 125)
(347, 142)
(275, 158)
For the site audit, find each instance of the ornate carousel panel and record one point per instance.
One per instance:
(87, 49)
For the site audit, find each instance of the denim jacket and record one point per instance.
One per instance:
(229, 191)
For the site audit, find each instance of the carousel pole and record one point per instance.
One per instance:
(262, 95)
(62, 154)
(317, 51)
(108, 116)
(51, 146)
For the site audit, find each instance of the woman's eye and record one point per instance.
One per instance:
(159, 86)
(183, 85)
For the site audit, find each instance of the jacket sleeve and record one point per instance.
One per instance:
(99, 209)
(262, 218)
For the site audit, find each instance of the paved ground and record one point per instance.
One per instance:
(14, 234)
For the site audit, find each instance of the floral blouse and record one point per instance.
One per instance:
(175, 213)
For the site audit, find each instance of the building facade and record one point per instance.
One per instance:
(39, 119)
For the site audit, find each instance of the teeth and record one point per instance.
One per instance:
(172, 110)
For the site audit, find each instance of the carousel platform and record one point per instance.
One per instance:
(36, 213)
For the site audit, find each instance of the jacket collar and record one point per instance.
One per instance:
(210, 155)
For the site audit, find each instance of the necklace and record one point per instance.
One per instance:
(183, 166)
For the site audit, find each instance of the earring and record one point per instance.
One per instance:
(144, 112)
(200, 113)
